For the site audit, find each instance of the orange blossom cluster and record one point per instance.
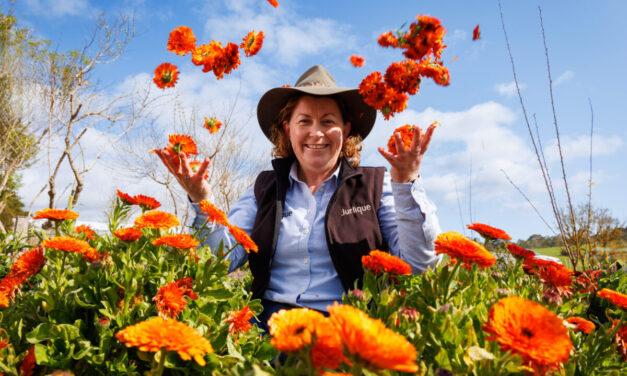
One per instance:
(27, 265)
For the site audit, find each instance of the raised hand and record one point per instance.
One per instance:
(194, 184)
(406, 164)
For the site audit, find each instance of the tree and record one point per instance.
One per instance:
(13, 206)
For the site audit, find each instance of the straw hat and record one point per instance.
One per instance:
(319, 82)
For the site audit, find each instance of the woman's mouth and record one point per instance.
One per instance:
(316, 147)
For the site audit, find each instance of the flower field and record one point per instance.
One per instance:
(145, 300)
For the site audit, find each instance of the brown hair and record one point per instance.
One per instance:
(283, 149)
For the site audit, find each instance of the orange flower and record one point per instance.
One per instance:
(388, 40)
(170, 300)
(28, 363)
(157, 333)
(529, 329)
(4, 299)
(156, 219)
(195, 166)
(371, 342)
(181, 41)
(458, 246)
(166, 75)
(207, 55)
(28, 264)
(617, 298)
(252, 43)
(181, 241)
(186, 285)
(146, 202)
(125, 198)
(519, 251)
(228, 61)
(621, 340)
(56, 214)
(555, 275)
(407, 133)
(424, 37)
(242, 237)
(476, 34)
(435, 71)
(489, 232)
(357, 61)
(274, 3)
(9, 285)
(87, 231)
(239, 321)
(404, 77)
(383, 262)
(181, 143)
(129, 234)
(68, 244)
(582, 325)
(212, 124)
(214, 215)
(378, 95)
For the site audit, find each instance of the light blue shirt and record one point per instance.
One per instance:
(302, 272)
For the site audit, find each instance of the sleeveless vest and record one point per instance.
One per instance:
(351, 222)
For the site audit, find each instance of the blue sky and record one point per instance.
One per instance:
(482, 130)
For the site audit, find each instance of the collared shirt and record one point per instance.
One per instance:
(302, 272)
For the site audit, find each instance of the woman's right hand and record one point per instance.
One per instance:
(194, 184)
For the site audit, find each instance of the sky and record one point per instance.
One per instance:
(483, 139)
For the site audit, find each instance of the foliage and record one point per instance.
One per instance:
(13, 206)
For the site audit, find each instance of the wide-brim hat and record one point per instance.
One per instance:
(317, 81)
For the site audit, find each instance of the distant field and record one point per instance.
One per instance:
(555, 251)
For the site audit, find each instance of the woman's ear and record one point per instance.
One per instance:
(286, 129)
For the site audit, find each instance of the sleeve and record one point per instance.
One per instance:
(408, 223)
(242, 215)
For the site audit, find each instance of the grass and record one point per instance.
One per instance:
(621, 255)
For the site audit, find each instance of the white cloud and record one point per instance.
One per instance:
(455, 36)
(508, 90)
(577, 147)
(58, 8)
(564, 77)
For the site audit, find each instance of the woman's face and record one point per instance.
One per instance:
(317, 133)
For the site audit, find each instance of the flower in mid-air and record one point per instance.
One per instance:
(357, 61)
(181, 40)
(476, 33)
(252, 43)
(212, 124)
(274, 3)
(166, 75)
(181, 143)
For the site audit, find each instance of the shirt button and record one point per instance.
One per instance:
(306, 261)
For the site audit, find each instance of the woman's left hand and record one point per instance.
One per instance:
(406, 164)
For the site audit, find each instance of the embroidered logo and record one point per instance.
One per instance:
(287, 214)
(360, 209)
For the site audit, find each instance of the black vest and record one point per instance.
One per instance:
(351, 221)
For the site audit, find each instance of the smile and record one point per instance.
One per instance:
(316, 147)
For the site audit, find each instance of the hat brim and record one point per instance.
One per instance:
(362, 116)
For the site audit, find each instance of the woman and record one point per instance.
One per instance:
(317, 212)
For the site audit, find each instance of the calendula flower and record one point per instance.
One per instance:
(407, 134)
(28, 363)
(4, 298)
(207, 55)
(388, 40)
(128, 234)
(55, 214)
(489, 232)
(156, 219)
(252, 43)
(617, 298)
(195, 166)
(28, 264)
(170, 300)
(357, 61)
(166, 75)
(239, 321)
(378, 95)
(68, 244)
(404, 77)
(436, 71)
(146, 202)
(424, 37)
(181, 241)
(242, 237)
(555, 275)
(519, 251)
(476, 34)
(185, 284)
(274, 3)
(125, 198)
(530, 330)
(181, 143)
(581, 324)
(157, 333)
(382, 262)
(214, 215)
(458, 246)
(212, 124)
(181, 40)
(532, 263)
(228, 62)
(620, 339)
(87, 231)
(368, 341)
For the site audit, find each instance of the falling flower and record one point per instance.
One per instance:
(239, 321)
(371, 342)
(242, 237)
(212, 124)
(166, 75)
(228, 62)
(214, 215)
(382, 262)
(55, 214)
(519, 251)
(404, 77)
(125, 198)
(529, 329)
(181, 143)
(458, 246)
(128, 234)
(181, 40)
(615, 297)
(170, 300)
(489, 232)
(435, 71)
(195, 166)
(28, 363)
(157, 219)
(68, 244)
(181, 241)
(581, 324)
(207, 55)
(274, 3)
(159, 333)
(87, 231)
(424, 37)
(252, 43)
(388, 40)
(476, 34)
(378, 95)
(357, 61)
(146, 202)
(407, 133)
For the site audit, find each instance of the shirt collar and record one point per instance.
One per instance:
(294, 173)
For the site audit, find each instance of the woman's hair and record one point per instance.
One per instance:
(282, 146)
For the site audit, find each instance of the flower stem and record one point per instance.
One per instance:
(161, 365)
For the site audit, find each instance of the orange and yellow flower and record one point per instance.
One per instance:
(170, 300)
(212, 124)
(581, 324)
(156, 219)
(55, 214)
(388, 40)
(489, 232)
(128, 234)
(228, 62)
(382, 262)
(181, 143)
(404, 77)
(157, 333)
(87, 231)
(617, 298)
(28, 264)
(181, 241)
(125, 198)
(242, 237)
(436, 71)
(166, 75)
(214, 215)
(181, 40)
(370, 342)
(424, 37)
(146, 202)
(530, 330)
(357, 61)
(252, 43)
(407, 134)
(380, 96)
(207, 55)
(239, 321)
(519, 251)
(68, 244)
(195, 166)
(459, 247)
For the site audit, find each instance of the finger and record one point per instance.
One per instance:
(187, 170)
(398, 142)
(203, 167)
(415, 146)
(387, 155)
(426, 139)
(165, 160)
